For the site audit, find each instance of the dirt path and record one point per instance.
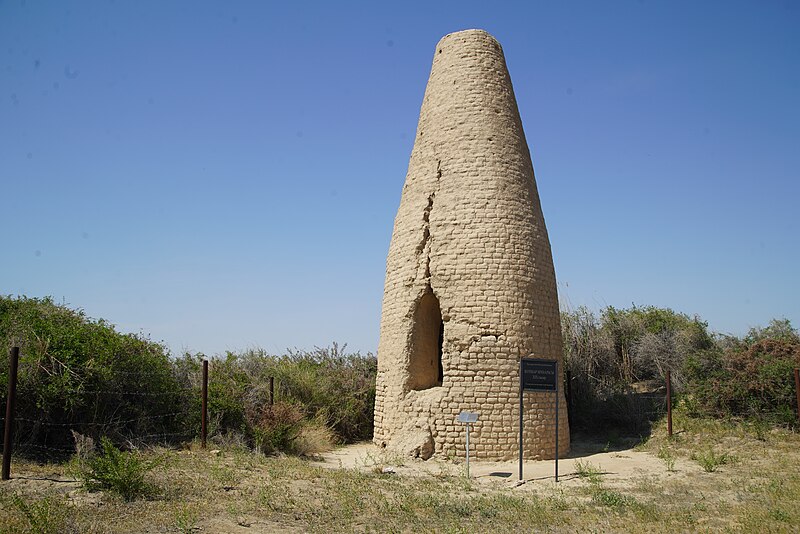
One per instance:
(622, 467)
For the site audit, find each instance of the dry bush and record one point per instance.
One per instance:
(609, 355)
(314, 438)
(277, 428)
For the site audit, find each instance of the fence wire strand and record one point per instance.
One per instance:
(35, 435)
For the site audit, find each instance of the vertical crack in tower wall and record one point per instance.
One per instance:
(424, 248)
(477, 269)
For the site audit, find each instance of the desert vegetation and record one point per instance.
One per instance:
(79, 378)
(617, 361)
(107, 427)
(723, 477)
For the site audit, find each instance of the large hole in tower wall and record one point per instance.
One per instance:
(425, 369)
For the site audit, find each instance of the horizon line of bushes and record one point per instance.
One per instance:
(80, 374)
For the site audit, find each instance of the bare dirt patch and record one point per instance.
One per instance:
(623, 467)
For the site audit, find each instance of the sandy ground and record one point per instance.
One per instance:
(621, 467)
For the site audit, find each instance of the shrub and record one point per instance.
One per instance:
(314, 438)
(79, 376)
(746, 380)
(229, 388)
(277, 428)
(609, 357)
(77, 373)
(617, 363)
(332, 387)
(122, 473)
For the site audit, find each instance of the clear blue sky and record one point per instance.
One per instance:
(225, 175)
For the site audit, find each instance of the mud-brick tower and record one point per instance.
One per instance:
(470, 286)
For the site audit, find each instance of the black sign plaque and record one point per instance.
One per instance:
(538, 375)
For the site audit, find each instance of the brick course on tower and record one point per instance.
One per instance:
(470, 285)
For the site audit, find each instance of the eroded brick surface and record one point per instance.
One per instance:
(470, 230)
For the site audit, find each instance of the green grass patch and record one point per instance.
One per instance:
(710, 460)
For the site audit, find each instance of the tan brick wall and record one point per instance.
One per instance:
(470, 230)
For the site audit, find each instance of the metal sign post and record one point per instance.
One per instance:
(536, 375)
(467, 418)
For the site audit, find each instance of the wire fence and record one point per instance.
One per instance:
(134, 418)
(53, 418)
(47, 417)
(635, 412)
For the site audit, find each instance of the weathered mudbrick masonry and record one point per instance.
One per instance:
(470, 286)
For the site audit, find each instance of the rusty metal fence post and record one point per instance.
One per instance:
(669, 405)
(13, 359)
(271, 390)
(568, 392)
(204, 408)
(797, 390)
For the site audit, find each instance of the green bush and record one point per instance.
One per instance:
(122, 473)
(79, 374)
(617, 362)
(331, 385)
(76, 373)
(230, 388)
(745, 380)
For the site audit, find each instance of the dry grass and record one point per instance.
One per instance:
(235, 489)
(313, 439)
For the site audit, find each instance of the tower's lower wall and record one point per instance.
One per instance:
(492, 393)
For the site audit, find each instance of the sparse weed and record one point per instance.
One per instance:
(84, 445)
(186, 519)
(606, 497)
(289, 490)
(779, 515)
(588, 471)
(227, 476)
(669, 458)
(709, 460)
(760, 428)
(383, 459)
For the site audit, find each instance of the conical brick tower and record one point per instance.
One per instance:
(470, 285)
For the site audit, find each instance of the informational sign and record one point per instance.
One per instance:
(539, 375)
(536, 374)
